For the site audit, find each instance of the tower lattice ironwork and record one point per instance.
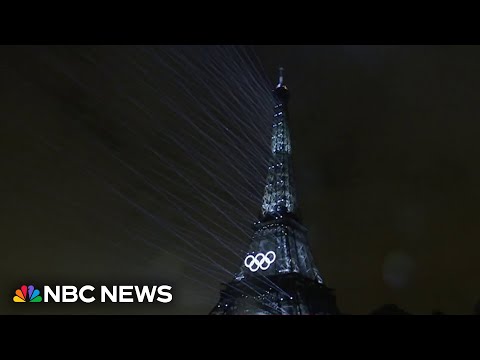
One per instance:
(278, 274)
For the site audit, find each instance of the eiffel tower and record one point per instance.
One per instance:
(278, 275)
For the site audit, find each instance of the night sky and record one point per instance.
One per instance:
(385, 155)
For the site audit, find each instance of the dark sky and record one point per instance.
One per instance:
(385, 154)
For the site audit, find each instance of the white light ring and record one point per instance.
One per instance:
(272, 254)
(249, 262)
(265, 267)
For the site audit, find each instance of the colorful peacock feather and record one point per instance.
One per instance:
(27, 294)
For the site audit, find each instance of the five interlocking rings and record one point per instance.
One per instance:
(260, 261)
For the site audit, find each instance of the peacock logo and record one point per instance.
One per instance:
(27, 294)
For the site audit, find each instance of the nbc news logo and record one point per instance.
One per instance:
(27, 294)
(114, 294)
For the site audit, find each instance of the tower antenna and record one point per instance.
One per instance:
(280, 76)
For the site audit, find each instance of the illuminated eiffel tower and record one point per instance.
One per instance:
(278, 275)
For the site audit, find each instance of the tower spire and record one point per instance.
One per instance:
(280, 76)
(280, 195)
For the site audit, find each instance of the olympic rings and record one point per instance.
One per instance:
(260, 261)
